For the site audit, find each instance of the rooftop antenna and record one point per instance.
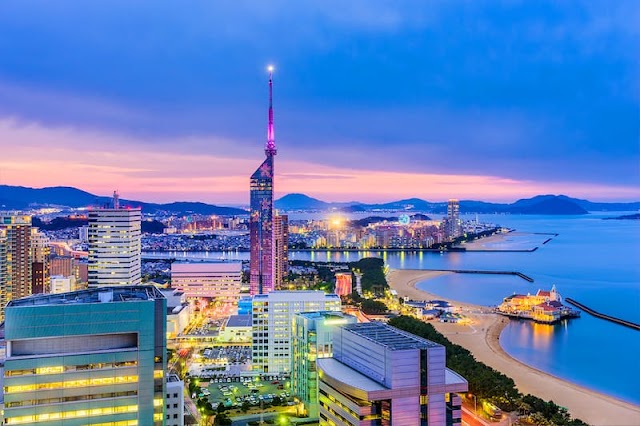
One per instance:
(270, 149)
(116, 199)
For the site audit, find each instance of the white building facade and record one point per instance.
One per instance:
(273, 325)
(174, 401)
(215, 280)
(381, 375)
(114, 247)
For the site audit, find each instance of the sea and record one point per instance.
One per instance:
(591, 260)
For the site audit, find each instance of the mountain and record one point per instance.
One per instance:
(20, 197)
(300, 202)
(541, 204)
(546, 205)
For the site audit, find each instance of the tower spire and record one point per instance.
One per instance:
(270, 148)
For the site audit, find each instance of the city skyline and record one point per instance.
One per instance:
(376, 103)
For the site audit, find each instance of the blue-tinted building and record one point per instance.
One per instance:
(93, 357)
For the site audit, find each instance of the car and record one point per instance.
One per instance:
(275, 382)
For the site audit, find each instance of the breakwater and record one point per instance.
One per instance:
(473, 271)
(603, 316)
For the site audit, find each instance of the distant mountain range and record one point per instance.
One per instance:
(19, 197)
(540, 204)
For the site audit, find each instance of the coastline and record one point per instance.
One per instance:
(482, 338)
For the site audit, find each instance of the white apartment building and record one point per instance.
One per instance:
(273, 324)
(220, 280)
(60, 284)
(174, 401)
(114, 247)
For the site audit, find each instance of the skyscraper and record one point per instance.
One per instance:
(261, 213)
(18, 258)
(114, 245)
(92, 357)
(280, 248)
(453, 226)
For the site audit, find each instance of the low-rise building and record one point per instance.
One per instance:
(221, 280)
(174, 401)
(238, 328)
(381, 375)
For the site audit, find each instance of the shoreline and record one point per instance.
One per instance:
(482, 338)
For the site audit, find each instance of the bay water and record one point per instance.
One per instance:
(594, 261)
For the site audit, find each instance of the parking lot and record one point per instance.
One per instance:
(233, 394)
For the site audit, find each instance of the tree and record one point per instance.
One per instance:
(223, 420)
(245, 406)
(276, 400)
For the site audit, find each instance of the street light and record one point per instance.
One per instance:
(475, 404)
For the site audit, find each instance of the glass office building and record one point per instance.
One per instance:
(92, 357)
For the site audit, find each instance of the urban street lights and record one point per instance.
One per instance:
(475, 404)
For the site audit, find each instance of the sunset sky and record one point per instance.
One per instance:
(374, 100)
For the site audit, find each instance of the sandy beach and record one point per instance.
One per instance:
(482, 339)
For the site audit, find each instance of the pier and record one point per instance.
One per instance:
(470, 271)
(603, 316)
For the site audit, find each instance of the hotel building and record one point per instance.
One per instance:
(18, 278)
(114, 246)
(273, 324)
(381, 375)
(312, 339)
(221, 280)
(92, 357)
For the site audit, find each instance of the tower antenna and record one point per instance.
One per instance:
(270, 149)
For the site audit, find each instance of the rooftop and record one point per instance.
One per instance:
(388, 336)
(325, 315)
(93, 295)
(239, 321)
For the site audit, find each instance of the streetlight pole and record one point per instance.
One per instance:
(475, 404)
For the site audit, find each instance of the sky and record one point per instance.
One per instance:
(374, 100)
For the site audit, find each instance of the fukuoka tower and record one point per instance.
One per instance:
(261, 220)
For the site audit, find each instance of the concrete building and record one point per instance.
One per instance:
(174, 401)
(60, 284)
(238, 328)
(273, 325)
(114, 246)
(312, 339)
(215, 280)
(40, 277)
(280, 249)
(18, 278)
(381, 375)
(92, 357)
(453, 228)
(179, 312)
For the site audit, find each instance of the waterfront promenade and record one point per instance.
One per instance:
(482, 339)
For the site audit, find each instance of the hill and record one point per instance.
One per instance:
(20, 197)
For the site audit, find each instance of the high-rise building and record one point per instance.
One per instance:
(273, 324)
(61, 265)
(453, 225)
(261, 265)
(280, 248)
(312, 339)
(60, 284)
(381, 375)
(114, 246)
(4, 278)
(92, 357)
(40, 277)
(18, 258)
(215, 280)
